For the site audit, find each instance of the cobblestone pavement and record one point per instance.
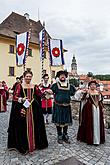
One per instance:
(90, 155)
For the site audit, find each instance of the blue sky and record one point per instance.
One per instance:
(83, 25)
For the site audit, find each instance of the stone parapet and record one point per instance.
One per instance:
(75, 106)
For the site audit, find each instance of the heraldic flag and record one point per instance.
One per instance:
(42, 42)
(21, 48)
(56, 52)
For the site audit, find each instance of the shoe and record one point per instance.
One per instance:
(66, 138)
(96, 145)
(60, 141)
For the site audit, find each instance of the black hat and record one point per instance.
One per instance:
(45, 75)
(62, 72)
(93, 81)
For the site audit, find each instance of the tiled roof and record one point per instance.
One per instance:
(105, 82)
(106, 93)
(16, 24)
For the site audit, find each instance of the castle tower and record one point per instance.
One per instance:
(74, 66)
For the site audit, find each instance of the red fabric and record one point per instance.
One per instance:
(85, 131)
(38, 91)
(46, 103)
(30, 125)
(16, 93)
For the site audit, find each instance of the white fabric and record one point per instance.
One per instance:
(21, 38)
(96, 125)
(55, 43)
(20, 99)
(78, 95)
(26, 104)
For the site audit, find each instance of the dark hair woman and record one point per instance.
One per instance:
(91, 125)
(26, 130)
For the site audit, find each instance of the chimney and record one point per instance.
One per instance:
(26, 15)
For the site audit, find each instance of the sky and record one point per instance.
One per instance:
(83, 25)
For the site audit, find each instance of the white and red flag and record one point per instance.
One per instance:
(21, 48)
(56, 52)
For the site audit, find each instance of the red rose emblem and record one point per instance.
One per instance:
(20, 49)
(56, 52)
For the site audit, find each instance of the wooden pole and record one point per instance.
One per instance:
(29, 35)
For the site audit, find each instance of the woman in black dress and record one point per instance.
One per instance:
(26, 130)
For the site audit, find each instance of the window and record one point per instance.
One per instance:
(11, 49)
(29, 52)
(11, 71)
(53, 74)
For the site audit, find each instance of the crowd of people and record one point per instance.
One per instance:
(34, 105)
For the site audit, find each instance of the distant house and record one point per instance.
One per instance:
(15, 24)
(106, 89)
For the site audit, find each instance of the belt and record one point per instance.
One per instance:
(63, 104)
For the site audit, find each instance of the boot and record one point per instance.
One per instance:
(60, 141)
(59, 132)
(66, 138)
(65, 135)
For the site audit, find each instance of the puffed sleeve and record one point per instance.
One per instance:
(17, 93)
(37, 94)
(72, 90)
(54, 87)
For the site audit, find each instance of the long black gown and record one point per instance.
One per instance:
(27, 133)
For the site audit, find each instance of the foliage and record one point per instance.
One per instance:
(90, 74)
(99, 77)
(74, 82)
(102, 77)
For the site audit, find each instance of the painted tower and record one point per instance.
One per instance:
(74, 66)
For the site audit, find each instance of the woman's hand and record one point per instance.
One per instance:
(24, 99)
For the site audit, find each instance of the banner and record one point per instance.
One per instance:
(42, 42)
(21, 48)
(56, 52)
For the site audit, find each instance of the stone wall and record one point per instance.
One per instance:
(75, 105)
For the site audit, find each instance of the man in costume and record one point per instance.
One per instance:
(46, 99)
(62, 116)
(15, 84)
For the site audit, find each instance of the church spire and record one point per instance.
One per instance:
(74, 66)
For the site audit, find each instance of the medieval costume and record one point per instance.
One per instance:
(46, 98)
(91, 124)
(3, 100)
(4, 85)
(46, 102)
(26, 130)
(62, 116)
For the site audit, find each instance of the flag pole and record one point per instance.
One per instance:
(27, 50)
(43, 49)
(49, 59)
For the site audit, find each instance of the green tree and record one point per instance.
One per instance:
(90, 74)
(74, 82)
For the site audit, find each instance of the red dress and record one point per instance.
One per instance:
(91, 128)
